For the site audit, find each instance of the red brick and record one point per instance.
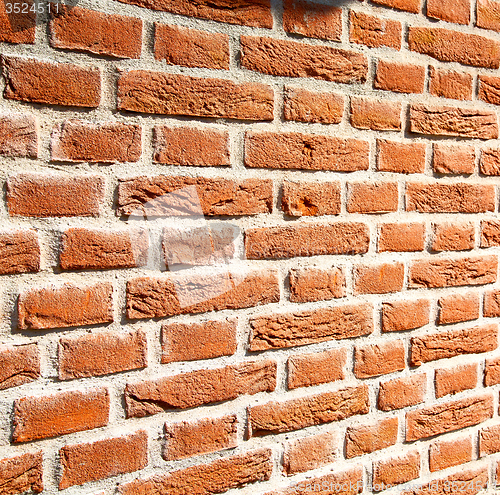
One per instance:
(490, 233)
(19, 252)
(177, 45)
(311, 198)
(187, 439)
(489, 441)
(18, 135)
(453, 237)
(66, 306)
(194, 341)
(379, 279)
(254, 13)
(301, 105)
(365, 439)
(492, 372)
(444, 454)
(172, 94)
(454, 380)
(157, 297)
(450, 84)
(402, 392)
(84, 249)
(21, 474)
(101, 354)
(196, 388)
(453, 272)
(398, 316)
(151, 196)
(306, 240)
(279, 331)
(402, 158)
(490, 162)
(413, 6)
(457, 11)
(295, 414)
(314, 451)
(312, 284)
(391, 472)
(215, 477)
(379, 359)
(453, 343)
(17, 28)
(488, 14)
(74, 28)
(311, 19)
(305, 151)
(190, 146)
(78, 141)
(305, 370)
(459, 197)
(294, 59)
(491, 304)
(373, 31)
(60, 414)
(35, 81)
(448, 416)
(489, 89)
(34, 195)
(458, 307)
(455, 46)
(375, 115)
(401, 78)
(453, 159)
(95, 461)
(401, 237)
(19, 364)
(377, 197)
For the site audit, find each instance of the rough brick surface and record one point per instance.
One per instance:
(489, 441)
(488, 15)
(301, 105)
(19, 252)
(397, 470)
(492, 372)
(380, 279)
(401, 237)
(489, 89)
(453, 159)
(18, 365)
(379, 197)
(401, 158)
(398, 316)
(366, 439)
(22, 473)
(311, 199)
(307, 285)
(18, 135)
(17, 28)
(444, 454)
(379, 359)
(401, 78)
(457, 11)
(453, 237)
(374, 31)
(413, 6)
(457, 308)
(454, 380)
(375, 115)
(402, 392)
(450, 84)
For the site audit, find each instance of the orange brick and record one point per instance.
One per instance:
(402, 392)
(444, 454)
(19, 364)
(366, 439)
(401, 237)
(380, 279)
(310, 198)
(401, 78)
(488, 15)
(17, 28)
(379, 359)
(490, 162)
(302, 105)
(373, 31)
(375, 115)
(398, 316)
(312, 284)
(492, 372)
(489, 441)
(491, 304)
(19, 252)
(18, 135)
(457, 308)
(454, 380)
(453, 237)
(402, 158)
(453, 159)
(413, 6)
(457, 11)
(22, 473)
(450, 84)
(395, 471)
(377, 197)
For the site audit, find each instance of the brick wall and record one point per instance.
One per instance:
(250, 246)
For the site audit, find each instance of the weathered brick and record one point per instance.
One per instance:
(35, 81)
(457, 11)
(489, 89)
(373, 31)
(313, 284)
(401, 237)
(458, 307)
(402, 158)
(293, 59)
(444, 454)
(279, 331)
(101, 354)
(306, 240)
(157, 297)
(450, 84)
(302, 105)
(314, 451)
(454, 380)
(413, 6)
(305, 370)
(35, 195)
(453, 237)
(449, 416)
(394, 471)
(379, 359)
(60, 414)
(19, 364)
(196, 388)
(398, 316)
(488, 14)
(492, 372)
(191, 146)
(315, 20)
(74, 28)
(490, 233)
(402, 392)
(453, 159)
(376, 197)
(379, 279)
(19, 252)
(489, 441)
(453, 343)
(193, 341)
(215, 477)
(365, 439)
(17, 28)
(172, 94)
(18, 135)
(177, 45)
(401, 78)
(22, 474)
(66, 306)
(311, 198)
(95, 461)
(295, 414)
(491, 304)
(79, 141)
(375, 115)
(490, 162)
(187, 439)
(460, 197)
